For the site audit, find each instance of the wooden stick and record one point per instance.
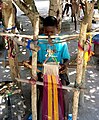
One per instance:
(24, 43)
(44, 37)
(41, 83)
(39, 37)
(74, 66)
(30, 66)
(26, 64)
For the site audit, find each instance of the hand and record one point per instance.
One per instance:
(35, 37)
(62, 67)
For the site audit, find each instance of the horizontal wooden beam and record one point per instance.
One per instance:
(23, 63)
(26, 64)
(45, 37)
(41, 83)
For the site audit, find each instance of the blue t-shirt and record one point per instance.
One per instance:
(60, 50)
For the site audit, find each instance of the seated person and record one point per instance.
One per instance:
(60, 50)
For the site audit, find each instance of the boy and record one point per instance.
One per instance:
(60, 50)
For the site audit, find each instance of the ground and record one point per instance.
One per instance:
(90, 109)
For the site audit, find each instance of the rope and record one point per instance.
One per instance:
(12, 28)
(28, 44)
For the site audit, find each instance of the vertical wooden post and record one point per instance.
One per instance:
(9, 22)
(80, 63)
(81, 97)
(88, 14)
(56, 10)
(33, 87)
(34, 68)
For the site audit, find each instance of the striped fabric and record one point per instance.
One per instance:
(52, 99)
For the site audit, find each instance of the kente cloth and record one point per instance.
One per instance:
(52, 108)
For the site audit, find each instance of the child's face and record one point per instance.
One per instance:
(50, 30)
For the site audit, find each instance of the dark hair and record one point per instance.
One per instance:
(50, 21)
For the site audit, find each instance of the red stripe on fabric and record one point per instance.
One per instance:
(61, 103)
(55, 97)
(45, 99)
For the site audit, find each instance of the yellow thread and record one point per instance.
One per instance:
(55, 91)
(86, 57)
(91, 53)
(49, 98)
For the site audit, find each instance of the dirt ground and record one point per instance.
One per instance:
(90, 109)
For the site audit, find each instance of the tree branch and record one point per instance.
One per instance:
(25, 9)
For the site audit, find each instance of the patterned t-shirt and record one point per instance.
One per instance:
(60, 50)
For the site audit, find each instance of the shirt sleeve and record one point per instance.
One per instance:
(65, 51)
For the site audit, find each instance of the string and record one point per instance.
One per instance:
(12, 28)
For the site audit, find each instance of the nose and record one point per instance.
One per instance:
(49, 33)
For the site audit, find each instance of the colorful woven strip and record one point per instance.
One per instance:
(60, 97)
(45, 99)
(89, 52)
(53, 108)
(55, 95)
(49, 98)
